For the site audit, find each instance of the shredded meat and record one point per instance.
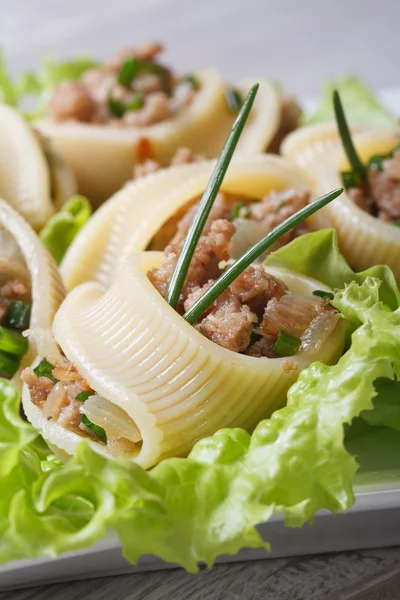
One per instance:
(380, 195)
(153, 93)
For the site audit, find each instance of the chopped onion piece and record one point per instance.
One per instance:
(318, 331)
(46, 346)
(248, 232)
(54, 402)
(115, 421)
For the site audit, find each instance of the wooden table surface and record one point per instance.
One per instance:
(301, 43)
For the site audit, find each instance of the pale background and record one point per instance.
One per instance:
(301, 43)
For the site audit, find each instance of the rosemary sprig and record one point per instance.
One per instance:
(253, 253)
(345, 136)
(203, 210)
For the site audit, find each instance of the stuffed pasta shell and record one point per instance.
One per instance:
(127, 373)
(31, 289)
(134, 109)
(258, 192)
(367, 216)
(34, 179)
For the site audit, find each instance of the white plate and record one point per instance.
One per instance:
(373, 521)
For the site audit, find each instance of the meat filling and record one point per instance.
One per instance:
(250, 314)
(379, 196)
(132, 90)
(11, 291)
(268, 212)
(64, 397)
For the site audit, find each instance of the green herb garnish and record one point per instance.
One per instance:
(192, 80)
(116, 108)
(350, 179)
(13, 342)
(239, 209)
(18, 315)
(95, 429)
(286, 344)
(128, 71)
(253, 253)
(203, 210)
(233, 100)
(83, 396)
(135, 103)
(396, 222)
(324, 295)
(45, 369)
(345, 135)
(9, 364)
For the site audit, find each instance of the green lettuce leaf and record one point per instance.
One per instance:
(360, 104)
(317, 255)
(62, 227)
(40, 84)
(193, 509)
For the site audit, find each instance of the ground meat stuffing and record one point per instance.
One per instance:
(143, 94)
(183, 156)
(58, 400)
(10, 292)
(248, 316)
(273, 209)
(380, 195)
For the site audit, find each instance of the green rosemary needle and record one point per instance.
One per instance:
(203, 210)
(345, 136)
(253, 253)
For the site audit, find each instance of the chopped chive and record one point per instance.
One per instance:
(83, 396)
(128, 71)
(9, 364)
(13, 342)
(345, 136)
(233, 100)
(239, 209)
(115, 107)
(95, 429)
(192, 80)
(18, 315)
(135, 103)
(324, 295)
(350, 179)
(376, 161)
(45, 369)
(204, 207)
(253, 253)
(396, 222)
(286, 344)
(254, 336)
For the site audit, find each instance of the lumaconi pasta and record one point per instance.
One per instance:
(28, 274)
(33, 179)
(133, 216)
(103, 157)
(145, 361)
(364, 239)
